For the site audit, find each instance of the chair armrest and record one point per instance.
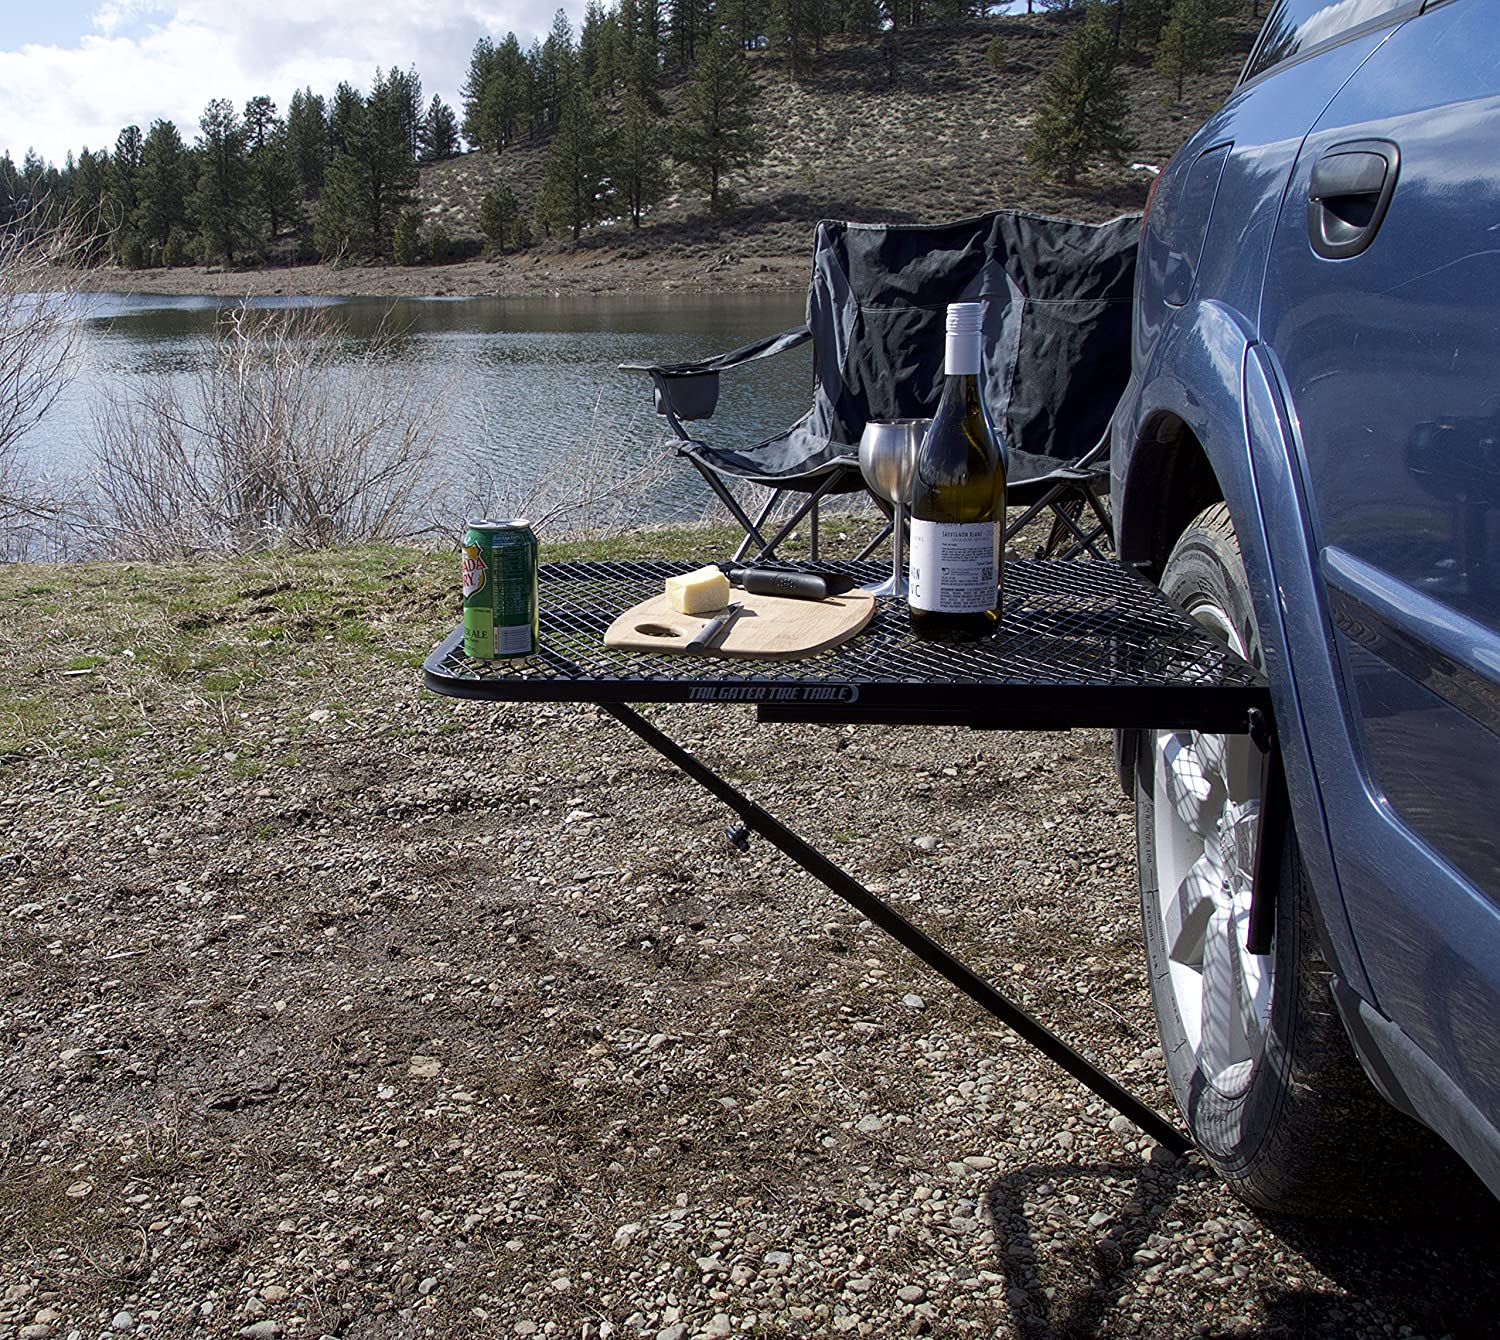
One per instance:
(773, 344)
(687, 391)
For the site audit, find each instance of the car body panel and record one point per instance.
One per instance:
(1262, 138)
(1392, 366)
(1188, 362)
(1364, 508)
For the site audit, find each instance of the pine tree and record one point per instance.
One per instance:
(405, 91)
(34, 176)
(273, 174)
(85, 196)
(405, 239)
(497, 215)
(596, 20)
(537, 84)
(505, 112)
(341, 226)
(1083, 108)
(260, 120)
(307, 140)
(1140, 22)
(743, 19)
(10, 188)
(573, 174)
(792, 32)
(1190, 42)
(122, 181)
(858, 18)
(277, 187)
(559, 67)
(716, 132)
(371, 180)
(640, 48)
(223, 179)
(347, 106)
(162, 193)
(638, 165)
(689, 23)
(477, 128)
(439, 137)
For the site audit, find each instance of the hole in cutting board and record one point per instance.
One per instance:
(655, 630)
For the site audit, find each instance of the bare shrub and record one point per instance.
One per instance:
(288, 434)
(40, 280)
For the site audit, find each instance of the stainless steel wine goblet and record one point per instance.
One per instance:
(886, 452)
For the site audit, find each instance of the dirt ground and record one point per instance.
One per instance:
(534, 274)
(333, 1008)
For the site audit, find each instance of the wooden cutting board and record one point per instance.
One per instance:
(772, 628)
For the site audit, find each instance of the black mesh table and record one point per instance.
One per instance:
(1079, 644)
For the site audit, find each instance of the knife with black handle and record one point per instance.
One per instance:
(786, 582)
(714, 631)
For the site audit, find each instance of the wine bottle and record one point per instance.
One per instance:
(957, 499)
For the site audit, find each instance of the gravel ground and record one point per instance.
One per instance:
(329, 1007)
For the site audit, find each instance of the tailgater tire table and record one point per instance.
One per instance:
(1080, 644)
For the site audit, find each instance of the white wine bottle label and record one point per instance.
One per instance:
(955, 566)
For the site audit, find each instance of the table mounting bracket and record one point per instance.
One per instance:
(756, 820)
(1270, 835)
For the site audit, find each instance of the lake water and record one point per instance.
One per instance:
(527, 382)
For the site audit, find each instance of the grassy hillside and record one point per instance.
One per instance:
(921, 130)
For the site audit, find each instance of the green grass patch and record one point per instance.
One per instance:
(206, 638)
(224, 681)
(104, 750)
(25, 719)
(665, 542)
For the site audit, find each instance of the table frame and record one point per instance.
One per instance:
(1081, 644)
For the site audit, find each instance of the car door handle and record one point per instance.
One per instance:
(1348, 194)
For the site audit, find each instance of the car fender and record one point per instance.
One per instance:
(1220, 387)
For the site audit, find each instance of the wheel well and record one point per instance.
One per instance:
(1170, 482)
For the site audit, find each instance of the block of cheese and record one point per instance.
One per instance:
(699, 592)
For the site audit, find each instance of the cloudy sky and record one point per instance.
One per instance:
(72, 72)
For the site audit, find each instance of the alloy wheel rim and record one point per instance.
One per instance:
(1207, 790)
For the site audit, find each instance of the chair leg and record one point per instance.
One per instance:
(1066, 502)
(1014, 528)
(754, 531)
(812, 531)
(1066, 517)
(751, 528)
(885, 534)
(795, 519)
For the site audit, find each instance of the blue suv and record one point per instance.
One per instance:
(1307, 458)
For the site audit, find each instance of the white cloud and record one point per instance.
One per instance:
(148, 59)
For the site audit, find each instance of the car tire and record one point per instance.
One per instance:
(1256, 1055)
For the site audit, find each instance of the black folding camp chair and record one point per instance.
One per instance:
(1056, 329)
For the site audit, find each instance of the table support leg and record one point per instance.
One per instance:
(893, 923)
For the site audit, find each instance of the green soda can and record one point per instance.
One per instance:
(499, 574)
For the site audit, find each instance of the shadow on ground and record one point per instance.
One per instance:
(1429, 1270)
